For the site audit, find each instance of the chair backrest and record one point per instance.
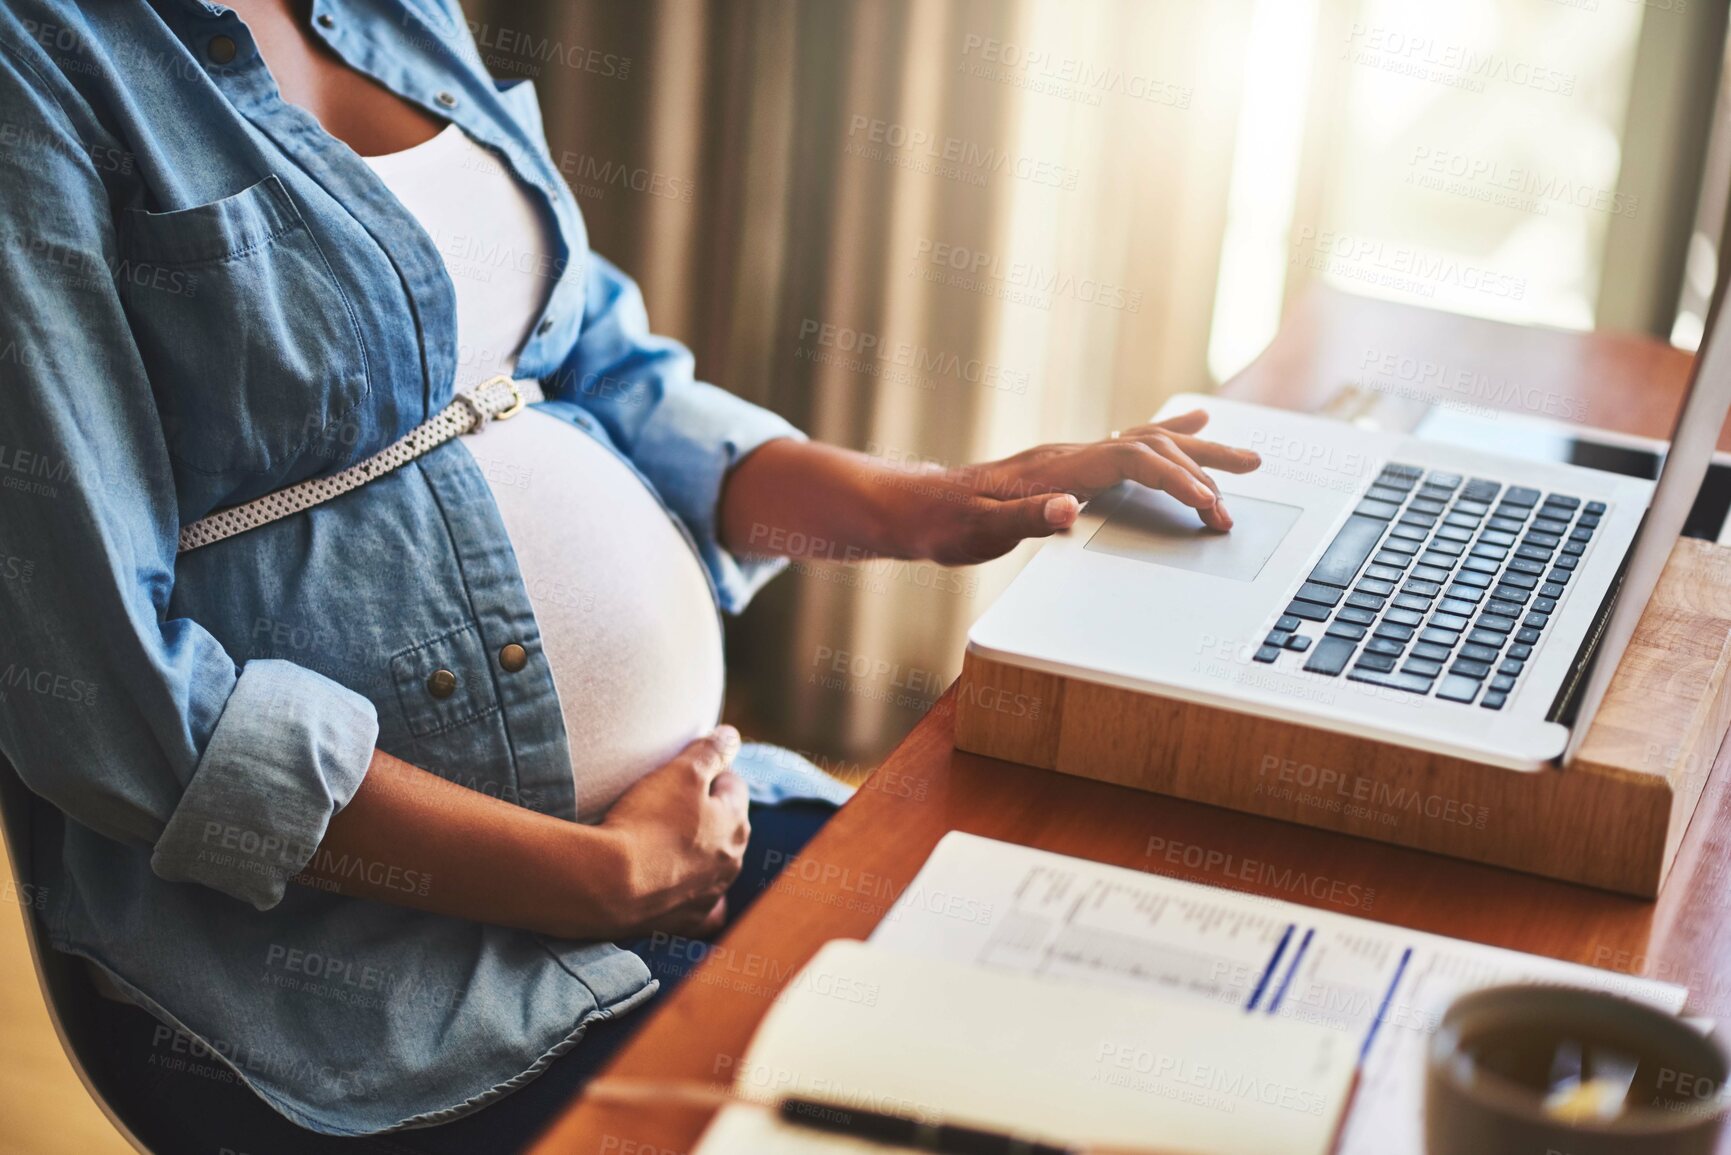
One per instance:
(65, 984)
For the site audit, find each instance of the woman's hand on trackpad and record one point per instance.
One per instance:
(682, 831)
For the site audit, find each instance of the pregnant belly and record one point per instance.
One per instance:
(627, 621)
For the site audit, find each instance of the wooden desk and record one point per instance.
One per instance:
(852, 872)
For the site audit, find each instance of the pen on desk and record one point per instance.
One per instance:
(873, 1126)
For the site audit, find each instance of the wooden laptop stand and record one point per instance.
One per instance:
(1612, 818)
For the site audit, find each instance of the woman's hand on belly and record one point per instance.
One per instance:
(682, 830)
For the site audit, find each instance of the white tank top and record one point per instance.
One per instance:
(627, 621)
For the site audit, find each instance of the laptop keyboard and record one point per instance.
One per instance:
(1438, 585)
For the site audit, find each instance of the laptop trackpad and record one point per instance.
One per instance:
(1148, 525)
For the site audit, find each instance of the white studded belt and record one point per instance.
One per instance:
(495, 399)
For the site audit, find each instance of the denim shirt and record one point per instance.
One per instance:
(205, 297)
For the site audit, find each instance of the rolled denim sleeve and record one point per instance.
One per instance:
(684, 435)
(288, 752)
(135, 723)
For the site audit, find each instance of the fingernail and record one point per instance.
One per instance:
(1207, 496)
(1057, 510)
(728, 737)
(1220, 512)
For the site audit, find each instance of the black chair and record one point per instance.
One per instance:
(64, 981)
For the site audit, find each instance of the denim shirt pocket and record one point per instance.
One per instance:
(250, 342)
(444, 683)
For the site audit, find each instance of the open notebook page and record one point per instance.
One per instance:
(934, 1040)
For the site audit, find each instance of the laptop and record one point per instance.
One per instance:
(1376, 584)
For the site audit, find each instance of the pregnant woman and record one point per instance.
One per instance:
(360, 815)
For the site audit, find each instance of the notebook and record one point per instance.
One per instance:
(999, 907)
(936, 1040)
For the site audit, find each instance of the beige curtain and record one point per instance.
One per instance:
(925, 230)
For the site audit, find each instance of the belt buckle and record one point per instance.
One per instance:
(517, 399)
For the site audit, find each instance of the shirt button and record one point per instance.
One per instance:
(326, 20)
(544, 328)
(448, 99)
(513, 658)
(221, 49)
(442, 684)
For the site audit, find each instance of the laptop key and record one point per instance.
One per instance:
(1395, 631)
(1423, 667)
(1588, 521)
(1455, 622)
(1520, 653)
(1383, 646)
(1559, 577)
(1581, 533)
(1430, 652)
(1385, 493)
(1427, 507)
(1477, 653)
(1443, 480)
(1372, 586)
(1573, 548)
(1493, 700)
(1380, 510)
(1551, 590)
(1464, 520)
(1511, 666)
(1286, 622)
(1505, 524)
(1547, 525)
(1381, 663)
(1527, 636)
(1475, 508)
(1544, 605)
(1489, 639)
(1401, 617)
(1422, 588)
(1443, 545)
(1497, 537)
(1503, 682)
(1309, 611)
(1418, 520)
(1542, 540)
(1391, 559)
(1344, 630)
(1452, 533)
(1495, 623)
(1521, 495)
(1439, 637)
(1505, 609)
(1364, 600)
(1508, 593)
(1537, 621)
(1466, 593)
(1467, 669)
(1533, 553)
(1563, 500)
(1474, 579)
(1402, 472)
(1596, 507)
(1455, 606)
(1455, 688)
(1411, 602)
(1481, 565)
(1357, 615)
(1402, 532)
(1520, 581)
(1320, 594)
(1267, 653)
(1481, 489)
(1298, 643)
(1568, 561)
(1386, 573)
(1430, 573)
(1527, 566)
(1354, 542)
(1411, 683)
(1277, 638)
(1330, 656)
